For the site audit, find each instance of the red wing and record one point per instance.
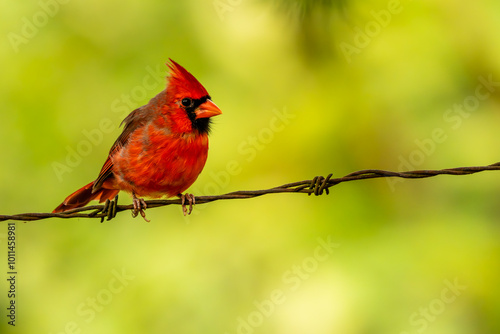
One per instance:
(134, 120)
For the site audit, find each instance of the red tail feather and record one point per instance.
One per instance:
(84, 195)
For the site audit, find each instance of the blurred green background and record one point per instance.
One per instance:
(307, 88)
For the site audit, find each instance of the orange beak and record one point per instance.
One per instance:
(207, 109)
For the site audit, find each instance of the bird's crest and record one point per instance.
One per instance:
(181, 82)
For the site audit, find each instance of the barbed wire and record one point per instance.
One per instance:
(316, 186)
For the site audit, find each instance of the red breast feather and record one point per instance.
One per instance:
(154, 163)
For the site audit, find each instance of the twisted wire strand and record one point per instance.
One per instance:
(316, 186)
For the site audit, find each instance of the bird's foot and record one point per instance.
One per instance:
(191, 201)
(139, 207)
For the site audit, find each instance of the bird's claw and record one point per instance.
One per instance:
(139, 207)
(191, 200)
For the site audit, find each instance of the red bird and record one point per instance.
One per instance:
(162, 149)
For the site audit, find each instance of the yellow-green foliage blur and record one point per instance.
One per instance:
(306, 88)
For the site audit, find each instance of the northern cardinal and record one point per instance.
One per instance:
(162, 149)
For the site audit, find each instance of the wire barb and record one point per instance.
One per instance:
(315, 186)
(109, 209)
(319, 183)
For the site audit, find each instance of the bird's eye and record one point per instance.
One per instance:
(187, 102)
